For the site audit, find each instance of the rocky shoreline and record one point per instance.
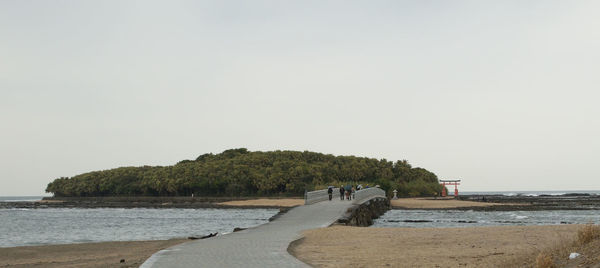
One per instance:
(132, 202)
(541, 202)
(501, 202)
(363, 215)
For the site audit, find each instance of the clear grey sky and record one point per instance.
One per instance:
(501, 94)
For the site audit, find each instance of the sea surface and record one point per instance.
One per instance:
(42, 226)
(469, 218)
(28, 227)
(525, 193)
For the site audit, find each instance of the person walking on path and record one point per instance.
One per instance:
(348, 190)
(342, 192)
(330, 192)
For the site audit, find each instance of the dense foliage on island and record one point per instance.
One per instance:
(239, 172)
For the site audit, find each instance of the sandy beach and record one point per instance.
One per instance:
(105, 254)
(402, 203)
(342, 246)
(337, 246)
(284, 202)
(440, 203)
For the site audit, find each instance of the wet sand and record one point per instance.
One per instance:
(342, 246)
(104, 254)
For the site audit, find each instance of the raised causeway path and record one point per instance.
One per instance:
(263, 246)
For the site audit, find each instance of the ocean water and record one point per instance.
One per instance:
(469, 218)
(27, 227)
(525, 193)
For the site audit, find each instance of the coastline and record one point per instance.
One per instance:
(479, 246)
(568, 201)
(492, 202)
(501, 203)
(438, 203)
(110, 253)
(335, 246)
(158, 202)
(102, 254)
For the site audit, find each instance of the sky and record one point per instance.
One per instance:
(500, 94)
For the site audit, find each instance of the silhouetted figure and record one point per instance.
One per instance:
(330, 193)
(342, 192)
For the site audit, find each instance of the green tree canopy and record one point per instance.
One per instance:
(239, 172)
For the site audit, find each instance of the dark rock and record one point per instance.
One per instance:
(209, 235)
(281, 212)
(203, 237)
(122, 260)
(237, 229)
(363, 215)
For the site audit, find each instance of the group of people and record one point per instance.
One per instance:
(346, 192)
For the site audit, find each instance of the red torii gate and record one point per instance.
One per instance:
(450, 182)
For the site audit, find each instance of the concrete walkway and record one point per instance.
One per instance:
(262, 246)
